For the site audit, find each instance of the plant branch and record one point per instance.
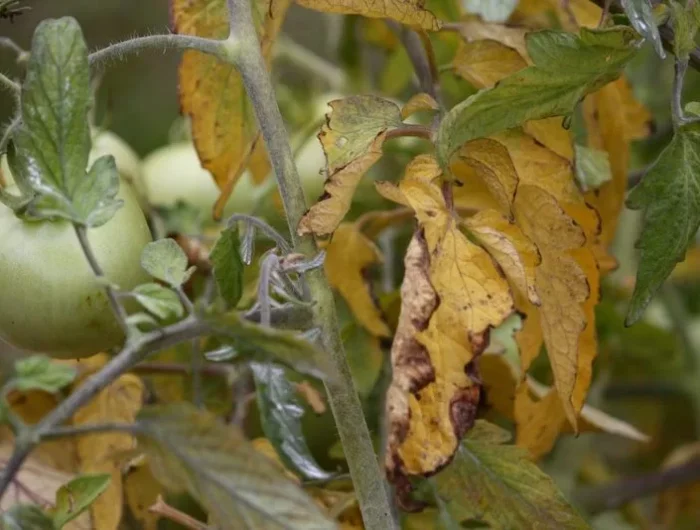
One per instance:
(120, 50)
(418, 131)
(596, 499)
(8, 83)
(345, 404)
(265, 228)
(7, 42)
(286, 48)
(117, 308)
(680, 68)
(416, 51)
(165, 510)
(82, 430)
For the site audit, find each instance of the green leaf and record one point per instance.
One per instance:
(228, 266)
(566, 68)
(74, 498)
(500, 485)
(280, 415)
(685, 26)
(180, 218)
(641, 16)
(166, 261)
(158, 300)
(53, 140)
(265, 344)
(592, 167)
(192, 450)
(39, 372)
(25, 517)
(491, 10)
(669, 194)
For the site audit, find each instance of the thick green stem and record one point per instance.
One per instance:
(368, 479)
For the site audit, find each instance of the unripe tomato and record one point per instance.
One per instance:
(51, 301)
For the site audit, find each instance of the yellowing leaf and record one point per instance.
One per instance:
(212, 92)
(141, 490)
(407, 12)
(485, 62)
(451, 295)
(352, 139)
(550, 132)
(347, 257)
(473, 29)
(417, 103)
(119, 402)
(681, 503)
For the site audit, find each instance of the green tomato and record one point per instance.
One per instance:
(51, 301)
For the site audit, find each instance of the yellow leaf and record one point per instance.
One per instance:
(119, 402)
(550, 132)
(682, 502)
(407, 12)
(417, 103)
(508, 246)
(348, 255)
(212, 92)
(452, 294)
(485, 62)
(141, 490)
(474, 29)
(352, 140)
(312, 396)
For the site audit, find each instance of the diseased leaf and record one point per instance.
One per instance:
(487, 475)
(262, 344)
(166, 261)
(419, 103)
(158, 300)
(669, 195)
(53, 140)
(566, 67)
(190, 450)
(228, 266)
(118, 402)
(280, 415)
(352, 141)
(39, 372)
(74, 498)
(212, 92)
(452, 295)
(348, 255)
(407, 12)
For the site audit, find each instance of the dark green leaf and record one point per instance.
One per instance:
(39, 372)
(592, 167)
(640, 15)
(166, 261)
(74, 498)
(53, 140)
(158, 300)
(192, 450)
(280, 415)
(267, 344)
(566, 68)
(25, 517)
(500, 485)
(669, 194)
(228, 266)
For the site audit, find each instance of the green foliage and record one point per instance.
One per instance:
(191, 450)
(641, 16)
(25, 517)
(592, 167)
(167, 262)
(158, 300)
(280, 415)
(39, 372)
(53, 141)
(566, 68)
(669, 195)
(228, 266)
(74, 498)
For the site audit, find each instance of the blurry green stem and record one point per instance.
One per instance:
(367, 477)
(286, 48)
(8, 83)
(681, 67)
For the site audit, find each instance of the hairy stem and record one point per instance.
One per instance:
(120, 50)
(9, 84)
(345, 404)
(681, 66)
(117, 308)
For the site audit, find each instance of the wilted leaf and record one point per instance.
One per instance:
(118, 402)
(352, 141)
(280, 415)
(228, 266)
(473, 29)
(408, 12)
(191, 450)
(486, 476)
(485, 62)
(432, 398)
(53, 141)
(39, 372)
(158, 300)
(418, 103)
(348, 256)
(141, 490)
(669, 194)
(166, 261)
(260, 343)
(212, 93)
(74, 498)
(566, 67)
